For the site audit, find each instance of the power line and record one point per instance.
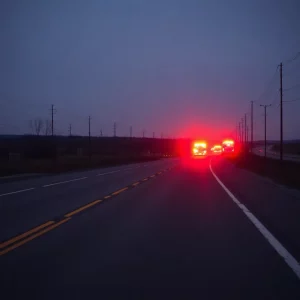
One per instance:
(293, 59)
(291, 70)
(294, 100)
(268, 86)
(292, 87)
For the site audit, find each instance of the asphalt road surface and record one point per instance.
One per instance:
(275, 155)
(168, 229)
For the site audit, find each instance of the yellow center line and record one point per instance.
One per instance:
(152, 176)
(136, 183)
(145, 179)
(76, 211)
(33, 236)
(25, 234)
(119, 191)
(106, 197)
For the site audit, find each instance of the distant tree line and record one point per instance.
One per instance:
(39, 126)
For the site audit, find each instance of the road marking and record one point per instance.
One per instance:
(106, 197)
(145, 179)
(76, 211)
(16, 192)
(61, 182)
(152, 176)
(158, 173)
(102, 174)
(119, 191)
(25, 234)
(30, 238)
(127, 169)
(288, 258)
(136, 183)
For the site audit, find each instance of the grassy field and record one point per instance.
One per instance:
(285, 173)
(46, 154)
(288, 148)
(66, 164)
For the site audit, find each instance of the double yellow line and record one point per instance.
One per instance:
(35, 232)
(27, 236)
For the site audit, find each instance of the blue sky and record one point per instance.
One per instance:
(182, 68)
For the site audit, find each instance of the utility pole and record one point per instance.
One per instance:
(242, 131)
(52, 119)
(240, 135)
(281, 115)
(70, 129)
(101, 133)
(115, 129)
(247, 133)
(90, 137)
(265, 108)
(130, 131)
(245, 130)
(251, 127)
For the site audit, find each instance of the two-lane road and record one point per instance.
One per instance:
(164, 230)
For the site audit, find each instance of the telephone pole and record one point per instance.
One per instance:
(281, 115)
(245, 130)
(240, 135)
(115, 129)
(101, 133)
(251, 126)
(130, 131)
(52, 119)
(265, 108)
(247, 133)
(90, 137)
(242, 131)
(70, 129)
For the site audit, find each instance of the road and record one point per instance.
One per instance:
(275, 155)
(166, 229)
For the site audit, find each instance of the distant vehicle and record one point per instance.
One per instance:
(200, 149)
(228, 146)
(217, 149)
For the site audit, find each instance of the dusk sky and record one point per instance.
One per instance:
(182, 68)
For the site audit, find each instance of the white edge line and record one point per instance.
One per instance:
(284, 253)
(56, 183)
(17, 192)
(102, 174)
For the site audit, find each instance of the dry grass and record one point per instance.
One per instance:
(286, 172)
(65, 164)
